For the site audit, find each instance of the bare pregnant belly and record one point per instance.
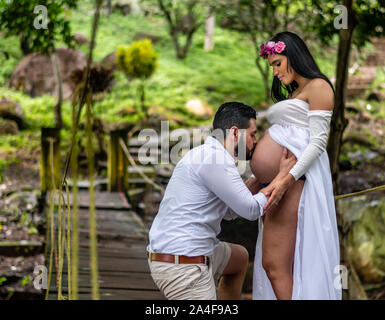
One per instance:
(266, 157)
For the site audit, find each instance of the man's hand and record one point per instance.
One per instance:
(253, 185)
(282, 181)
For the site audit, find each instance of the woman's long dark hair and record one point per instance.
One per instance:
(300, 59)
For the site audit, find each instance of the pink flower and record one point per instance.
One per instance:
(279, 47)
(271, 48)
(263, 52)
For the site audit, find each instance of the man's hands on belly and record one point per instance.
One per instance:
(253, 185)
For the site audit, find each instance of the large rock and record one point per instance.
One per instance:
(366, 238)
(8, 127)
(142, 36)
(34, 74)
(109, 61)
(124, 6)
(12, 111)
(199, 109)
(22, 201)
(80, 38)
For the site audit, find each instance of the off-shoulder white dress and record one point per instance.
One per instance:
(316, 256)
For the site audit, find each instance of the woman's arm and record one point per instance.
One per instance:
(321, 100)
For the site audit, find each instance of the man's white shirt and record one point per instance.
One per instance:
(204, 188)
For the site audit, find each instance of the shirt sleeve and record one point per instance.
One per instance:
(230, 215)
(225, 181)
(319, 125)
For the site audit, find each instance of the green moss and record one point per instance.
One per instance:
(366, 242)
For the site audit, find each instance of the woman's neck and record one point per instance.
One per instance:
(302, 82)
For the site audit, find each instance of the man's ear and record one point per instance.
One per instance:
(235, 131)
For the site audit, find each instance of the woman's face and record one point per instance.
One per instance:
(280, 68)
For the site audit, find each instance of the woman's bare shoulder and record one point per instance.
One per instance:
(320, 95)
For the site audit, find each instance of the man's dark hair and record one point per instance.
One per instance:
(233, 114)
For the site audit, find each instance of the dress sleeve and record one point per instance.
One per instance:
(319, 125)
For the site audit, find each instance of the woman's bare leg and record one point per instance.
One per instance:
(278, 243)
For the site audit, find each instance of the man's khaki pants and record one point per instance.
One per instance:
(191, 281)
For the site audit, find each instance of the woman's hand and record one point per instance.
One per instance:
(279, 189)
(282, 181)
(288, 160)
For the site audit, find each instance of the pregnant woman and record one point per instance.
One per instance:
(297, 251)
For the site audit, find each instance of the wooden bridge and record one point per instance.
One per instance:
(122, 263)
(122, 237)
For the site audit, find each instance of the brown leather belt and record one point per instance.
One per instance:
(176, 259)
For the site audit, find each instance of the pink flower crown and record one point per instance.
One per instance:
(271, 48)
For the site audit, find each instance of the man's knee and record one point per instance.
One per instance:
(238, 261)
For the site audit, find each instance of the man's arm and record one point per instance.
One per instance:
(224, 180)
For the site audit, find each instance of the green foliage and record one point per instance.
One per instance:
(368, 20)
(2, 280)
(26, 17)
(10, 55)
(139, 60)
(184, 18)
(26, 279)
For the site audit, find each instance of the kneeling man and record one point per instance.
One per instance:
(185, 257)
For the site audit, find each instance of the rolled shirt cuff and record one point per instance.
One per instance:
(262, 200)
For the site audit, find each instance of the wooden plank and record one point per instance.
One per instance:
(108, 244)
(115, 265)
(103, 200)
(118, 280)
(112, 265)
(123, 222)
(134, 253)
(117, 294)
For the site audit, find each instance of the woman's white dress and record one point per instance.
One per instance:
(316, 257)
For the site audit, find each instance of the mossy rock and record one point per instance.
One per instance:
(12, 111)
(8, 127)
(366, 244)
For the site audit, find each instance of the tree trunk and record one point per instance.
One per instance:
(24, 45)
(337, 127)
(209, 37)
(265, 76)
(59, 85)
(175, 41)
(187, 44)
